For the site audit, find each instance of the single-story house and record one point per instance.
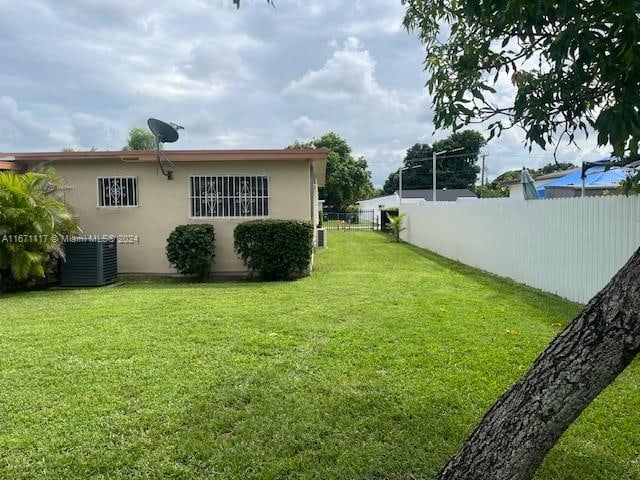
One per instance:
(6, 162)
(515, 187)
(123, 193)
(412, 196)
(597, 182)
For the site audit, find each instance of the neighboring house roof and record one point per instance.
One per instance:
(317, 156)
(444, 195)
(596, 177)
(558, 174)
(6, 162)
(392, 195)
(542, 178)
(5, 165)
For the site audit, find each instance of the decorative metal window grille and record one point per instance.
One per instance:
(117, 191)
(229, 196)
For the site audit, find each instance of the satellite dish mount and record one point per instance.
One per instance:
(164, 133)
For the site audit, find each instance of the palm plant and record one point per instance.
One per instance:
(395, 226)
(631, 185)
(32, 217)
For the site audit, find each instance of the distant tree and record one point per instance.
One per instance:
(391, 183)
(140, 139)
(376, 192)
(491, 191)
(508, 176)
(631, 185)
(555, 167)
(457, 170)
(71, 149)
(348, 179)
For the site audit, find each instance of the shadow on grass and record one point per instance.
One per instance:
(500, 286)
(231, 282)
(503, 286)
(321, 431)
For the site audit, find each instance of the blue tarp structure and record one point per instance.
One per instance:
(596, 177)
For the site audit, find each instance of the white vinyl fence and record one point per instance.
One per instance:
(569, 246)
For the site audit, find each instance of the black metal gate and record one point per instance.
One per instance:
(360, 220)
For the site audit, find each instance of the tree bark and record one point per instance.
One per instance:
(514, 436)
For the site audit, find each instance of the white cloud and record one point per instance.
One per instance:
(84, 73)
(19, 128)
(91, 131)
(347, 76)
(101, 14)
(233, 139)
(305, 128)
(383, 26)
(382, 161)
(348, 73)
(176, 86)
(221, 61)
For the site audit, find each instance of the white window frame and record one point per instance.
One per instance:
(121, 178)
(226, 181)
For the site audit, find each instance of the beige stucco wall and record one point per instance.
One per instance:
(164, 204)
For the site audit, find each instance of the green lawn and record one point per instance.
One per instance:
(375, 367)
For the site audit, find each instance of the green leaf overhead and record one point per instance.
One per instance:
(575, 66)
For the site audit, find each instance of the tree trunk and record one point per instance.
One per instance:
(517, 432)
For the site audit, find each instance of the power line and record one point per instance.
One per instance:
(497, 158)
(429, 159)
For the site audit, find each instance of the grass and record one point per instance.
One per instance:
(375, 367)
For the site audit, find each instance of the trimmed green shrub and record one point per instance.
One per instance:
(191, 249)
(275, 249)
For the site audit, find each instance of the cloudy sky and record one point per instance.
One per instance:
(81, 73)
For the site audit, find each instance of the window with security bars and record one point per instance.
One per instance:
(117, 192)
(229, 196)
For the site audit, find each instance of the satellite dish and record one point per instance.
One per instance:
(163, 132)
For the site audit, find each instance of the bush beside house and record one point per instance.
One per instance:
(33, 216)
(275, 249)
(191, 249)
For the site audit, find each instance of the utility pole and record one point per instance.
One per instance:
(400, 170)
(435, 155)
(484, 155)
(433, 180)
